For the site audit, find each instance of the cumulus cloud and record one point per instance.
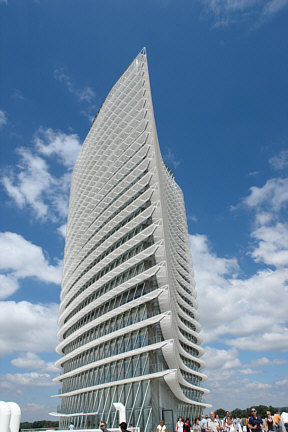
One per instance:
(227, 302)
(272, 247)
(31, 379)
(3, 119)
(85, 94)
(229, 376)
(31, 360)
(8, 285)
(272, 339)
(64, 147)
(32, 184)
(27, 327)
(221, 359)
(237, 311)
(20, 259)
(269, 206)
(264, 361)
(273, 194)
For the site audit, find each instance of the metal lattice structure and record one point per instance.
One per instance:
(129, 329)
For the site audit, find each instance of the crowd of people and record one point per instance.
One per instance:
(213, 423)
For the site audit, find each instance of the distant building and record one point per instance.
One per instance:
(129, 329)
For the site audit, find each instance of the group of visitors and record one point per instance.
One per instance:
(213, 423)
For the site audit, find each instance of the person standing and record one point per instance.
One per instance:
(123, 427)
(255, 422)
(269, 422)
(225, 419)
(284, 418)
(179, 425)
(103, 427)
(161, 427)
(71, 426)
(244, 423)
(212, 424)
(197, 426)
(203, 423)
(230, 425)
(277, 420)
(219, 421)
(187, 425)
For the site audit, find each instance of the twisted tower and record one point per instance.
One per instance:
(129, 329)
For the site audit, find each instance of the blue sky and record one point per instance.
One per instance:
(218, 71)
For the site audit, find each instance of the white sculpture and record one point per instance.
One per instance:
(15, 416)
(10, 416)
(122, 411)
(5, 415)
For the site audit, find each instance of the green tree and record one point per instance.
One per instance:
(221, 412)
(39, 424)
(237, 412)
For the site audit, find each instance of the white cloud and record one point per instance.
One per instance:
(273, 194)
(249, 371)
(83, 95)
(258, 386)
(226, 12)
(3, 119)
(64, 147)
(270, 234)
(23, 259)
(27, 327)
(28, 186)
(227, 303)
(272, 248)
(279, 161)
(31, 379)
(8, 285)
(272, 7)
(274, 338)
(246, 313)
(264, 361)
(221, 359)
(62, 230)
(228, 376)
(31, 360)
(170, 158)
(31, 183)
(283, 382)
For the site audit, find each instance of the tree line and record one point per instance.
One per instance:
(39, 424)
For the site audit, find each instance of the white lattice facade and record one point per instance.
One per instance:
(129, 329)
